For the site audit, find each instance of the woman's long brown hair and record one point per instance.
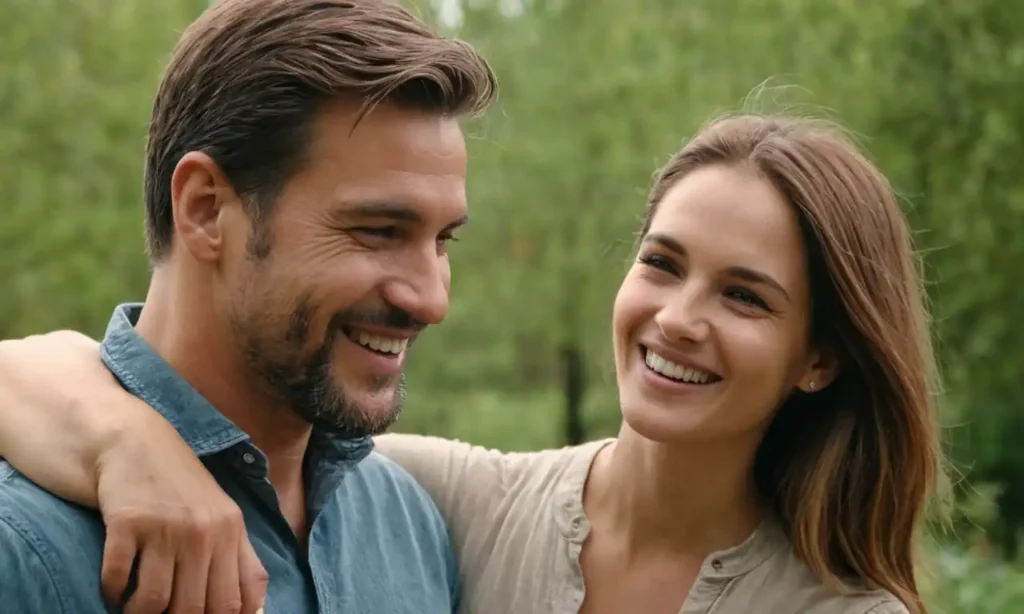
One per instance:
(848, 470)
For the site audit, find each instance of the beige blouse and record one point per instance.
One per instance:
(518, 525)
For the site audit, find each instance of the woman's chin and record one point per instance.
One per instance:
(661, 424)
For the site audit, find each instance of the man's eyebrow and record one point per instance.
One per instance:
(380, 209)
(392, 211)
(458, 223)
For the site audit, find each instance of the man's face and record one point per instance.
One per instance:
(334, 286)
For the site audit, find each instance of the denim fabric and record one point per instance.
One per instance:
(377, 543)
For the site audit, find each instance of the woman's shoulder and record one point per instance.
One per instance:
(773, 575)
(482, 492)
(819, 597)
(439, 464)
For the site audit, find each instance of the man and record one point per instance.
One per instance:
(305, 171)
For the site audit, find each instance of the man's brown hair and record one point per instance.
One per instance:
(248, 77)
(847, 470)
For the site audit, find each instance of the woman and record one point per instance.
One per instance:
(778, 443)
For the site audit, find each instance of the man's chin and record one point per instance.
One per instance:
(381, 409)
(364, 413)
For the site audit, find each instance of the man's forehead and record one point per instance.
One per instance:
(394, 136)
(399, 165)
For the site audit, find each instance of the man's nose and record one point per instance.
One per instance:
(421, 288)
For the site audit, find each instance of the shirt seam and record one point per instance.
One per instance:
(567, 510)
(721, 593)
(729, 581)
(35, 545)
(885, 602)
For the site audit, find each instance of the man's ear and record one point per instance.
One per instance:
(822, 369)
(199, 193)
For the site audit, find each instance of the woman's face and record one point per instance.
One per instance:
(711, 324)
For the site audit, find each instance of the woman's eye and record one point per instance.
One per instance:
(658, 261)
(746, 297)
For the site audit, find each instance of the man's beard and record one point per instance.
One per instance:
(302, 380)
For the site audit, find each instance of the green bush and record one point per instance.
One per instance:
(965, 582)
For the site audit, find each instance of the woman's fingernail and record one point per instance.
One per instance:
(259, 611)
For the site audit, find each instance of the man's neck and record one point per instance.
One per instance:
(203, 353)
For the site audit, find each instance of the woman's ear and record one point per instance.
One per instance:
(821, 370)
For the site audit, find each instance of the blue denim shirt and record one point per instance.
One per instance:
(376, 542)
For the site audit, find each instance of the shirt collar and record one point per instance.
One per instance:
(572, 522)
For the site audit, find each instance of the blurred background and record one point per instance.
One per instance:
(595, 95)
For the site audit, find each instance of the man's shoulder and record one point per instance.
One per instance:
(384, 502)
(50, 550)
(26, 505)
(400, 536)
(383, 480)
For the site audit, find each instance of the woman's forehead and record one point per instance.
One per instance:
(727, 213)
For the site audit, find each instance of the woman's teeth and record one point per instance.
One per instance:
(677, 372)
(386, 345)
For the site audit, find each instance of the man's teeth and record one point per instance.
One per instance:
(388, 345)
(677, 372)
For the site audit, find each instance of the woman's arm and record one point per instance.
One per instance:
(67, 424)
(41, 432)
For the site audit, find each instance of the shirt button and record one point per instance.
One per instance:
(248, 458)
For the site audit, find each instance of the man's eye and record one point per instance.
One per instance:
(446, 237)
(384, 232)
(443, 240)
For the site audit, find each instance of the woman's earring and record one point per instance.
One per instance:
(812, 385)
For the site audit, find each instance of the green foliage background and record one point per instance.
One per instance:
(595, 95)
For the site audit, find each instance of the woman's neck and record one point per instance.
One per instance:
(690, 498)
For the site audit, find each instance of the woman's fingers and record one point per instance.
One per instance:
(156, 579)
(188, 564)
(161, 504)
(253, 579)
(192, 573)
(118, 557)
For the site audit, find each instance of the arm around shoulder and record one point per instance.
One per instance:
(46, 430)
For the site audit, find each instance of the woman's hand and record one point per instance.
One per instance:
(67, 424)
